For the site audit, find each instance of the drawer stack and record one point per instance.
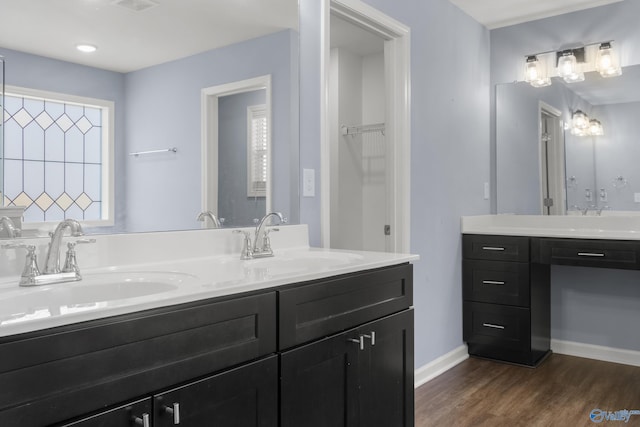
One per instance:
(506, 312)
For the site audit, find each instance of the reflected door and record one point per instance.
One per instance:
(552, 168)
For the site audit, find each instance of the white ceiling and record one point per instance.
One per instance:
(128, 40)
(501, 13)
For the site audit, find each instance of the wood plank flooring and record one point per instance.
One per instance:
(561, 392)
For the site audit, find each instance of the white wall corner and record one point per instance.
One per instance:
(597, 352)
(440, 365)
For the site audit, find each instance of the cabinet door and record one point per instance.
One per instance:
(246, 396)
(385, 372)
(318, 386)
(130, 415)
(338, 381)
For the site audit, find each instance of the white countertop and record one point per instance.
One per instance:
(615, 227)
(163, 282)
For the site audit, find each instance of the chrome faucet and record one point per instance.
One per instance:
(261, 243)
(217, 223)
(7, 226)
(31, 275)
(52, 261)
(600, 209)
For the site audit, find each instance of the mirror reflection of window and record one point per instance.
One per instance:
(55, 156)
(257, 145)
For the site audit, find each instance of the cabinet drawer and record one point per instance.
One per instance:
(97, 364)
(325, 307)
(587, 253)
(497, 325)
(496, 282)
(495, 248)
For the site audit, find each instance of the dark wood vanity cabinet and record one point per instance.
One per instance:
(506, 288)
(219, 361)
(361, 376)
(506, 313)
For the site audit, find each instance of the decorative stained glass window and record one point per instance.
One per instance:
(55, 155)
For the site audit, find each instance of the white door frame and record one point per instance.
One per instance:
(398, 126)
(209, 136)
(556, 172)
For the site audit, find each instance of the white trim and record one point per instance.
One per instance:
(440, 365)
(209, 136)
(398, 78)
(597, 352)
(108, 150)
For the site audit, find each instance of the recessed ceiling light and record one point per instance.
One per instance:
(86, 48)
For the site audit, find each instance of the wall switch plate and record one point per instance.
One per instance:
(636, 197)
(308, 183)
(487, 191)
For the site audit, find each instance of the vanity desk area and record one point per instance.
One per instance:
(506, 276)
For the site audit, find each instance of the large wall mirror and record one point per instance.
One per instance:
(545, 168)
(119, 133)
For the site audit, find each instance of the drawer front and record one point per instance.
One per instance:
(496, 282)
(325, 307)
(497, 325)
(97, 364)
(495, 248)
(587, 253)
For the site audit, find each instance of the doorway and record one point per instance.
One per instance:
(230, 110)
(365, 152)
(552, 162)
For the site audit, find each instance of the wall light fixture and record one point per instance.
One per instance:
(572, 64)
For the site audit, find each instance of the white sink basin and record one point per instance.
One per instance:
(94, 291)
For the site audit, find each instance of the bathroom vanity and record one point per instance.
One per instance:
(506, 275)
(308, 337)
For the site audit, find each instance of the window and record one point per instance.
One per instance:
(58, 156)
(257, 151)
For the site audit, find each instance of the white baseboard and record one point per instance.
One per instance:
(597, 352)
(440, 365)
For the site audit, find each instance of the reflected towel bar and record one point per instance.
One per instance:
(166, 150)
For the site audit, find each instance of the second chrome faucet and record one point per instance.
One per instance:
(260, 247)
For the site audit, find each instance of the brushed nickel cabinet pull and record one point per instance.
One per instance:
(359, 341)
(491, 325)
(592, 254)
(493, 282)
(492, 248)
(372, 337)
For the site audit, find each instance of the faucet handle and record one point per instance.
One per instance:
(31, 270)
(70, 261)
(247, 250)
(266, 242)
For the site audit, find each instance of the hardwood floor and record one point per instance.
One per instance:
(561, 392)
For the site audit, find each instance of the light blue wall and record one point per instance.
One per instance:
(163, 106)
(449, 150)
(233, 203)
(37, 72)
(590, 306)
